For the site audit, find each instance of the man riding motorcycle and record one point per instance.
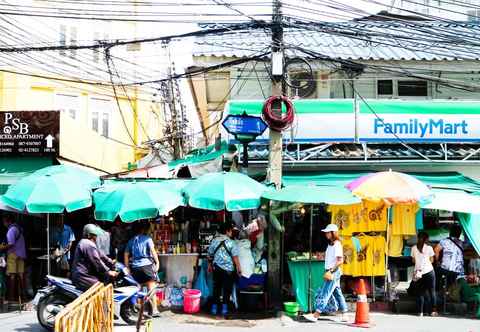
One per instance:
(90, 265)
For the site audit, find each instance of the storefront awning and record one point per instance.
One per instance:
(13, 169)
(444, 180)
(332, 195)
(454, 201)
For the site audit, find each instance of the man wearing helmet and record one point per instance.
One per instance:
(90, 265)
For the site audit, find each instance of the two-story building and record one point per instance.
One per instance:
(348, 81)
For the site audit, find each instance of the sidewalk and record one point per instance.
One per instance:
(27, 322)
(382, 323)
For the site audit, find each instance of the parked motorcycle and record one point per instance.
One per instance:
(59, 292)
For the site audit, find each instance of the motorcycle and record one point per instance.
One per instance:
(59, 292)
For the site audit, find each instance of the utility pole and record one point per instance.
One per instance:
(274, 173)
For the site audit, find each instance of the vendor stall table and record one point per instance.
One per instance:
(177, 266)
(299, 274)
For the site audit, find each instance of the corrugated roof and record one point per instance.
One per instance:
(375, 40)
(375, 151)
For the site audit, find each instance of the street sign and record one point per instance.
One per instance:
(244, 125)
(29, 133)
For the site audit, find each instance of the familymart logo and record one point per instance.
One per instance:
(420, 128)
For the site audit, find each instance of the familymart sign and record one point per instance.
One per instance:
(377, 120)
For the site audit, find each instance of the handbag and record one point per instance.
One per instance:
(328, 276)
(417, 275)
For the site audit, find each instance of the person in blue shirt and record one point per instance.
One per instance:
(224, 262)
(142, 259)
(62, 238)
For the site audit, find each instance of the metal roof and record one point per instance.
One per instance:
(455, 152)
(372, 40)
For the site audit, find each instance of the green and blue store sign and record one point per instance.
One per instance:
(334, 120)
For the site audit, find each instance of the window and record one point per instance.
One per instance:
(100, 115)
(96, 51)
(68, 36)
(63, 37)
(69, 104)
(73, 41)
(412, 88)
(385, 87)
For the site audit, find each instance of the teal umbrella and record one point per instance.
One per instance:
(89, 179)
(219, 191)
(309, 194)
(53, 189)
(131, 201)
(54, 193)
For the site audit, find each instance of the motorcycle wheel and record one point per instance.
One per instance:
(130, 312)
(48, 308)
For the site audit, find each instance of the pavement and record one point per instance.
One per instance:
(27, 322)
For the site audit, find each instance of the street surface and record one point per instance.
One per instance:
(27, 322)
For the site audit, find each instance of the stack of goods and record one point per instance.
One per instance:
(172, 238)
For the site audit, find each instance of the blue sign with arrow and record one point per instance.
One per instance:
(244, 125)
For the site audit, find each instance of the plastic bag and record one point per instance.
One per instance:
(176, 297)
(202, 285)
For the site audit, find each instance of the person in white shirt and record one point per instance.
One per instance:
(424, 275)
(329, 297)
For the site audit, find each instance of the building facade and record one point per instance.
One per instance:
(101, 127)
(329, 62)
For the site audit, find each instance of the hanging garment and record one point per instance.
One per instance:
(395, 245)
(364, 266)
(419, 220)
(346, 217)
(378, 251)
(348, 256)
(374, 216)
(404, 219)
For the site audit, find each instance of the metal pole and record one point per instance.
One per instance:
(48, 243)
(310, 261)
(245, 158)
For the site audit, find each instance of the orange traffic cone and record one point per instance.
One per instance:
(362, 314)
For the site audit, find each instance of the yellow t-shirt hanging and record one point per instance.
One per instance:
(349, 255)
(375, 216)
(346, 217)
(403, 219)
(395, 245)
(364, 257)
(378, 252)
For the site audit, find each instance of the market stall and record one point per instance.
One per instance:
(305, 284)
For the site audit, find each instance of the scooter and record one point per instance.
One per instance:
(59, 292)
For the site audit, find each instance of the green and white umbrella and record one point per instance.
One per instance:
(131, 201)
(52, 189)
(219, 191)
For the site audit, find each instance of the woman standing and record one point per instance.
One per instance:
(424, 275)
(329, 297)
(142, 258)
(225, 264)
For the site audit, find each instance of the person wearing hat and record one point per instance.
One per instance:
(90, 265)
(329, 297)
